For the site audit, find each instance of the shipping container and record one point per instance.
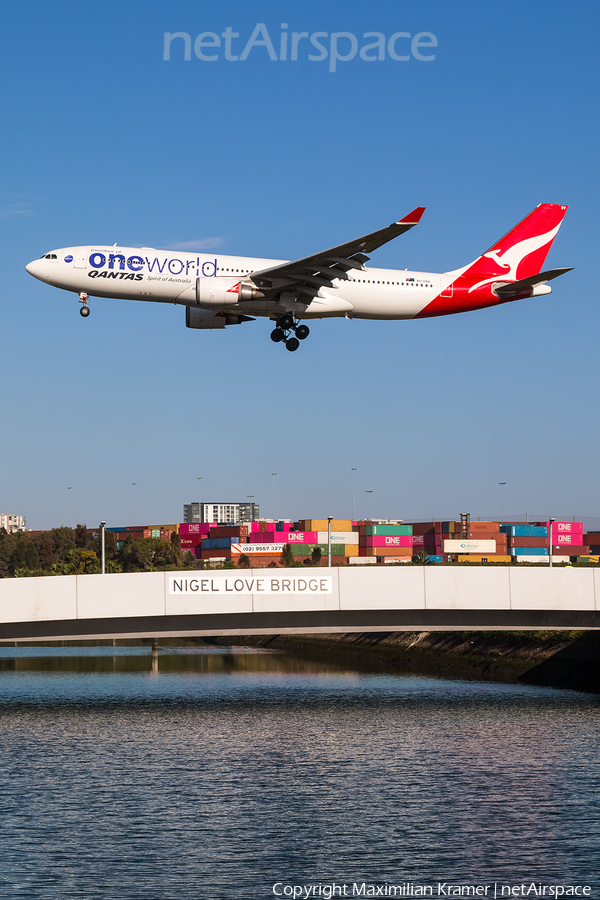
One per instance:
(303, 537)
(338, 537)
(588, 559)
(469, 546)
(202, 528)
(221, 543)
(487, 527)
(565, 527)
(571, 549)
(491, 557)
(525, 530)
(529, 551)
(253, 550)
(568, 539)
(235, 531)
(188, 541)
(386, 530)
(426, 527)
(321, 525)
(394, 559)
(395, 540)
(363, 561)
(542, 560)
(522, 540)
(284, 537)
(213, 554)
(386, 551)
(350, 549)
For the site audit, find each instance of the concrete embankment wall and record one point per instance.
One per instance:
(564, 659)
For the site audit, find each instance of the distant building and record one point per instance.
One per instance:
(225, 513)
(12, 523)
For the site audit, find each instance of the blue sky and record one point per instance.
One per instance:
(105, 141)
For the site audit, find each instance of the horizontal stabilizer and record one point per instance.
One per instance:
(510, 289)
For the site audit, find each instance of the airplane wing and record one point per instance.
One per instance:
(308, 275)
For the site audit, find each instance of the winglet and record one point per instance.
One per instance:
(413, 218)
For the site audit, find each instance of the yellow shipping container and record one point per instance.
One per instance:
(475, 557)
(351, 549)
(321, 525)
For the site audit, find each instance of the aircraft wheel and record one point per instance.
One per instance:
(292, 344)
(277, 335)
(286, 322)
(302, 332)
(84, 311)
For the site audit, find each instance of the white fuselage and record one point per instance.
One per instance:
(163, 276)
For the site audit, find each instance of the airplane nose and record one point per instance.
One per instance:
(34, 268)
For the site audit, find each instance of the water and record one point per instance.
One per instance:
(225, 773)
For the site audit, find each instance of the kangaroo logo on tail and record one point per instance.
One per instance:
(508, 260)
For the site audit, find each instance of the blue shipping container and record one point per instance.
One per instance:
(529, 551)
(222, 543)
(525, 530)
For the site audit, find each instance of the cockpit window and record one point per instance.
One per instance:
(49, 256)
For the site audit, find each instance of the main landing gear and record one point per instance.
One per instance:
(285, 325)
(85, 310)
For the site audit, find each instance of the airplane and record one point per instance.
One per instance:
(227, 290)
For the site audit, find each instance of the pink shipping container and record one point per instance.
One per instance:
(396, 540)
(284, 537)
(565, 527)
(189, 541)
(201, 528)
(302, 537)
(566, 538)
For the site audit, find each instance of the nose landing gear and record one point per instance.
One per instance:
(85, 310)
(285, 325)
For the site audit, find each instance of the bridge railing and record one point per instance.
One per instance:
(154, 594)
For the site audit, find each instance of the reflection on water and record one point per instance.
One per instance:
(224, 772)
(170, 657)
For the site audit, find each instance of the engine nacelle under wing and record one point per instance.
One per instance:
(205, 318)
(221, 293)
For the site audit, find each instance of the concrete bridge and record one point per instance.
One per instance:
(297, 601)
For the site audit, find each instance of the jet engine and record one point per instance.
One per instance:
(205, 318)
(220, 293)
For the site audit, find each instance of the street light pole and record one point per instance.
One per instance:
(133, 484)
(353, 480)
(502, 485)
(329, 518)
(69, 496)
(103, 530)
(550, 542)
(370, 510)
(199, 500)
(274, 474)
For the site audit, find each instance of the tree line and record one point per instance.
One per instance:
(77, 551)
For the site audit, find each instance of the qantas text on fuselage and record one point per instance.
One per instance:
(217, 291)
